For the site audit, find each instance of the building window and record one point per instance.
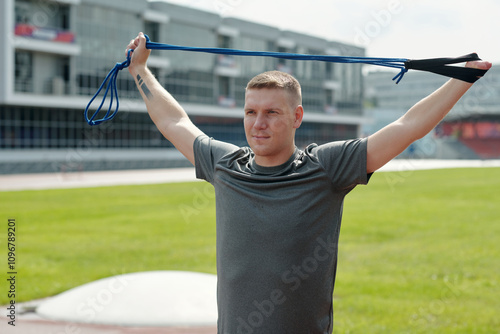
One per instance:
(152, 29)
(330, 105)
(22, 12)
(284, 65)
(24, 71)
(47, 14)
(282, 61)
(226, 96)
(224, 41)
(61, 80)
(224, 86)
(227, 61)
(329, 71)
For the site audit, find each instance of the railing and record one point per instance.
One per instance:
(47, 34)
(225, 101)
(226, 61)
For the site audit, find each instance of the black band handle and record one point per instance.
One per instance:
(439, 66)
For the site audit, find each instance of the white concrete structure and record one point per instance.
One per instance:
(157, 298)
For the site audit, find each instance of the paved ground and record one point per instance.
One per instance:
(152, 176)
(51, 327)
(94, 179)
(29, 322)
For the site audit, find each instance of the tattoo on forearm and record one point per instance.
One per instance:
(144, 88)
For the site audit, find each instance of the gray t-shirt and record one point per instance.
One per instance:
(277, 233)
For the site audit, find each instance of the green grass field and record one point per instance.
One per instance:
(419, 251)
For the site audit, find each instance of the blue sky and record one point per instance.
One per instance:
(386, 28)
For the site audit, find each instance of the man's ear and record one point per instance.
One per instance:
(298, 114)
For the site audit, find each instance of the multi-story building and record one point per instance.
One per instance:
(56, 53)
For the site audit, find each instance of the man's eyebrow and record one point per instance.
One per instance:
(265, 109)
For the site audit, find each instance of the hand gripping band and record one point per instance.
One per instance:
(435, 65)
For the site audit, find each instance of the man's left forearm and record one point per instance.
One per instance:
(428, 112)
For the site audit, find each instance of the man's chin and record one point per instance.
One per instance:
(261, 150)
(261, 143)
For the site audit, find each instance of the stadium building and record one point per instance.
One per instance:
(56, 53)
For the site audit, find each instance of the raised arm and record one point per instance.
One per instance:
(389, 142)
(167, 114)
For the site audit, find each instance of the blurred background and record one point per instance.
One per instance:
(56, 53)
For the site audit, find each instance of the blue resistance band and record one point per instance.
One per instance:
(435, 65)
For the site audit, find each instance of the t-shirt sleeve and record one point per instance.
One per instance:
(344, 162)
(207, 151)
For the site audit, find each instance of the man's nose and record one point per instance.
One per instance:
(260, 121)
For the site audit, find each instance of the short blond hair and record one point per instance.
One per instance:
(278, 80)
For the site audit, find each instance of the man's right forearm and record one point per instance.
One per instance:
(167, 114)
(162, 107)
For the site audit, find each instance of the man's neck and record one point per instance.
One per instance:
(273, 161)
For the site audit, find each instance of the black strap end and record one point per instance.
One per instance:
(440, 66)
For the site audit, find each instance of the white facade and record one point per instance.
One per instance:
(56, 53)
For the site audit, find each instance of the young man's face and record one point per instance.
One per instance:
(270, 122)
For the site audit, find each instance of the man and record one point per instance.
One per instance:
(279, 208)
